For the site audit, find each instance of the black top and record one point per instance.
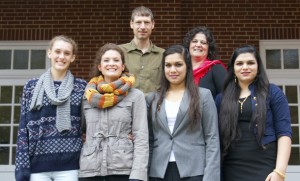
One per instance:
(246, 113)
(246, 160)
(214, 79)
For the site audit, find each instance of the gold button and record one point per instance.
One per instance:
(254, 98)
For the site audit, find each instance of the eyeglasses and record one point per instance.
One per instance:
(202, 42)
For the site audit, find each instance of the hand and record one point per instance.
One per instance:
(83, 137)
(274, 177)
(130, 136)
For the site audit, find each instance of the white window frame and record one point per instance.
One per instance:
(19, 77)
(284, 77)
(280, 44)
(23, 45)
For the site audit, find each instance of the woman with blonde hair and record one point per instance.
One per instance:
(49, 137)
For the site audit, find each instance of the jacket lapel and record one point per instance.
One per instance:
(183, 108)
(162, 117)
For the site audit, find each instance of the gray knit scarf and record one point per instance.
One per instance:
(45, 84)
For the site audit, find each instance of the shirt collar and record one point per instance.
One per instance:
(152, 47)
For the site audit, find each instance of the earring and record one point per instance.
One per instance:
(234, 79)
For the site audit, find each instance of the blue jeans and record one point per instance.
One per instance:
(70, 175)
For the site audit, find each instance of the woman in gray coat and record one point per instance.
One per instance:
(183, 127)
(113, 110)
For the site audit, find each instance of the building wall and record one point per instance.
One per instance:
(95, 22)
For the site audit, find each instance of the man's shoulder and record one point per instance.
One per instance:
(158, 49)
(126, 46)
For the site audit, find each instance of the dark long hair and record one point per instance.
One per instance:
(229, 105)
(212, 48)
(191, 88)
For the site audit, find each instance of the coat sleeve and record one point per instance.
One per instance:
(141, 138)
(149, 101)
(218, 102)
(211, 137)
(281, 112)
(22, 171)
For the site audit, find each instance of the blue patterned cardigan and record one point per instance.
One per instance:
(40, 147)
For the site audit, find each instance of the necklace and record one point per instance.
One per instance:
(242, 102)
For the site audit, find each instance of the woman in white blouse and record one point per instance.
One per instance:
(183, 127)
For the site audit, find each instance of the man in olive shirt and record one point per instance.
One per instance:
(142, 57)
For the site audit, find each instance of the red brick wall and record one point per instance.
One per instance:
(95, 22)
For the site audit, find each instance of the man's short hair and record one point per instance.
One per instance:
(142, 11)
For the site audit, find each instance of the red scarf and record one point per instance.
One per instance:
(204, 68)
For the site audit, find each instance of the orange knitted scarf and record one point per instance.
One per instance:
(102, 95)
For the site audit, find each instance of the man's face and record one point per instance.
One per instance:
(142, 27)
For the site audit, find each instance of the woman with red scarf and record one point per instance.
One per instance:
(208, 72)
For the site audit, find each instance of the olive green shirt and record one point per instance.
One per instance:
(146, 67)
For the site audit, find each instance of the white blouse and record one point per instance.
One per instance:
(172, 111)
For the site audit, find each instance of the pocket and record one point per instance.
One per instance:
(155, 72)
(121, 112)
(122, 157)
(155, 75)
(89, 158)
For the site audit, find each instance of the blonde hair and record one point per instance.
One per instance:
(66, 39)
